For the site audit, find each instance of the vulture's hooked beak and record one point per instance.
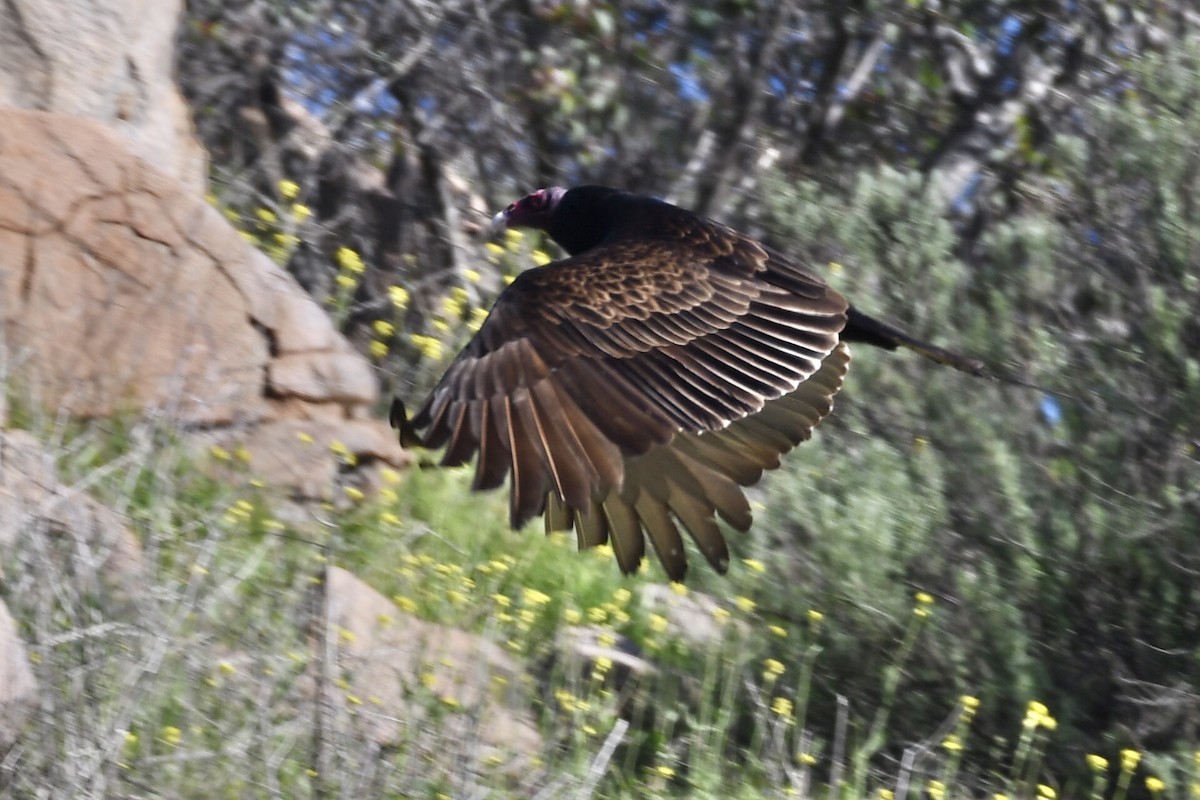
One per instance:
(499, 222)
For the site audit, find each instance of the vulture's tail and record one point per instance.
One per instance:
(861, 328)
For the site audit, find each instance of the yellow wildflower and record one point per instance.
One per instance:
(754, 565)
(815, 616)
(399, 296)
(345, 281)
(532, 597)
(478, 315)
(378, 349)
(1129, 760)
(744, 604)
(430, 346)
(349, 260)
(782, 706)
(1098, 763)
(540, 257)
(924, 601)
(773, 668)
(1046, 792)
(952, 743)
(301, 212)
(778, 630)
(936, 789)
(1155, 784)
(494, 250)
(289, 189)
(383, 328)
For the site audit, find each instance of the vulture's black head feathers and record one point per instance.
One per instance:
(581, 218)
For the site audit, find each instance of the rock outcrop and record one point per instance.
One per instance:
(18, 689)
(105, 60)
(399, 667)
(41, 515)
(35, 502)
(122, 290)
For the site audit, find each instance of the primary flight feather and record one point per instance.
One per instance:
(635, 387)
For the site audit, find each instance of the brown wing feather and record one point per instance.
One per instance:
(622, 388)
(693, 490)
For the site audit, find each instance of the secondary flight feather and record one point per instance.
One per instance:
(635, 387)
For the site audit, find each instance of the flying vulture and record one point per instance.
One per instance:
(635, 387)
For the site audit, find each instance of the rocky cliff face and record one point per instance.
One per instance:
(109, 61)
(123, 290)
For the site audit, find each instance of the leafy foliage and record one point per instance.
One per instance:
(1059, 527)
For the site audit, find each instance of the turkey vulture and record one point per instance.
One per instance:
(639, 384)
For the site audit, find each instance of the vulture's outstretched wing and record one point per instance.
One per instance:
(640, 383)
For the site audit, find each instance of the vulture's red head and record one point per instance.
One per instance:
(578, 218)
(532, 211)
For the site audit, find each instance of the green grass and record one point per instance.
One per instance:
(202, 680)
